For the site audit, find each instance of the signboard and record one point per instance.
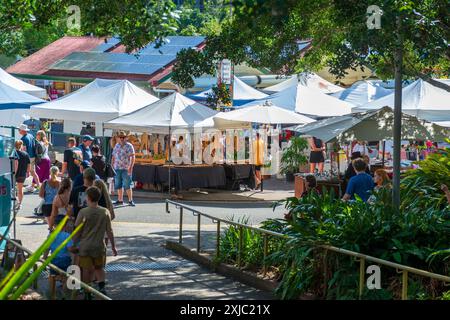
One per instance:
(226, 72)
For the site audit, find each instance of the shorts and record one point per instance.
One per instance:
(258, 168)
(122, 179)
(20, 179)
(316, 157)
(47, 210)
(92, 262)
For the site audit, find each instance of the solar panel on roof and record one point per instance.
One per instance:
(106, 46)
(148, 61)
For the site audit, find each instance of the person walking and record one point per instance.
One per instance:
(98, 162)
(78, 181)
(123, 157)
(48, 192)
(72, 159)
(78, 195)
(22, 168)
(85, 147)
(60, 206)
(29, 144)
(43, 163)
(90, 239)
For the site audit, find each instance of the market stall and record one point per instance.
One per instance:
(420, 99)
(99, 101)
(306, 100)
(372, 126)
(242, 93)
(22, 86)
(14, 107)
(174, 115)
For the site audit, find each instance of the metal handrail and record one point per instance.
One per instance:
(362, 257)
(60, 271)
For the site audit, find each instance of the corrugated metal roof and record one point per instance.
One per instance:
(38, 63)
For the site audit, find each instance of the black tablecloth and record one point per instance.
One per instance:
(186, 177)
(199, 177)
(145, 173)
(237, 173)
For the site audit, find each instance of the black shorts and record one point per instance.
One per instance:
(258, 168)
(316, 157)
(20, 179)
(47, 210)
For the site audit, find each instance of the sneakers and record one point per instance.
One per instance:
(119, 203)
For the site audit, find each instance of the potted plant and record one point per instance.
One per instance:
(293, 157)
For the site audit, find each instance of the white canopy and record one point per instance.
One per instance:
(101, 100)
(20, 85)
(420, 99)
(242, 93)
(372, 125)
(362, 92)
(308, 101)
(14, 106)
(262, 113)
(174, 111)
(310, 80)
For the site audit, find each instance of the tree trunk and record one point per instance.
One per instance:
(398, 62)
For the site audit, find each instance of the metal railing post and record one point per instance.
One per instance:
(218, 240)
(198, 232)
(265, 251)
(405, 285)
(180, 234)
(362, 273)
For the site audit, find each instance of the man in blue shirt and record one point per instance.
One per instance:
(85, 147)
(361, 184)
(29, 145)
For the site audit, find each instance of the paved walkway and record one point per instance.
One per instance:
(144, 269)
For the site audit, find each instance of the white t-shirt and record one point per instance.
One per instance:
(361, 148)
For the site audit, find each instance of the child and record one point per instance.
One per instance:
(64, 258)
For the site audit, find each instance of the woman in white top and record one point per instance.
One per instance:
(61, 202)
(361, 147)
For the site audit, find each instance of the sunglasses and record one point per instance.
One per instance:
(122, 137)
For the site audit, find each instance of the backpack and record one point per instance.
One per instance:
(38, 150)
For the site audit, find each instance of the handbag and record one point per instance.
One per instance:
(109, 171)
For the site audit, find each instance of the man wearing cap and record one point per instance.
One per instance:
(29, 144)
(123, 157)
(78, 181)
(85, 147)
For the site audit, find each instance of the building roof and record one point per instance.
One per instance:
(39, 62)
(106, 59)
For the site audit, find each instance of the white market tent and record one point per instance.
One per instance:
(372, 126)
(20, 85)
(99, 101)
(420, 99)
(172, 112)
(261, 114)
(362, 92)
(307, 101)
(242, 93)
(14, 106)
(310, 80)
